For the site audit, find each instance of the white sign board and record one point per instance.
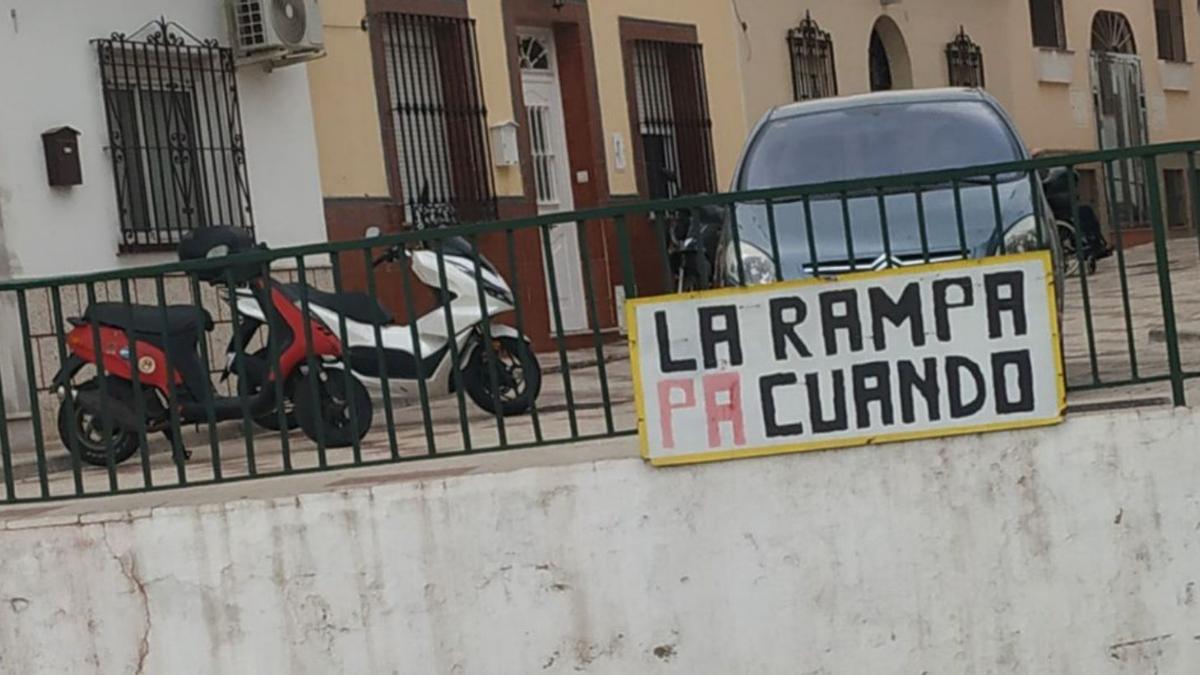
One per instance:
(953, 348)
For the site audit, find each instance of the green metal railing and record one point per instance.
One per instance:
(1131, 321)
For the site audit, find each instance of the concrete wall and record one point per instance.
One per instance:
(50, 73)
(1069, 550)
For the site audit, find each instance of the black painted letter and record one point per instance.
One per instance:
(728, 333)
(783, 329)
(896, 312)
(665, 361)
(942, 305)
(1012, 302)
(926, 384)
(1024, 365)
(847, 319)
(820, 425)
(955, 367)
(766, 387)
(873, 384)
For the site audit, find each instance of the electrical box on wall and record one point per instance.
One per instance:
(504, 144)
(63, 167)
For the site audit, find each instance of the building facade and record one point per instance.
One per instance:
(431, 111)
(171, 135)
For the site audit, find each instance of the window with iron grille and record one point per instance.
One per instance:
(965, 61)
(175, 135)
(1049, 30)
(813, 72)
(1168, 19)
(438, 123)
(673, 118)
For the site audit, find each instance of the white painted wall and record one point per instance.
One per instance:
(49, 76)
(1070, 550)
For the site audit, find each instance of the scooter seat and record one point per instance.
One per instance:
(358, 307)
(150, 320)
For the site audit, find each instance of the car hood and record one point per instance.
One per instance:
(904, 243)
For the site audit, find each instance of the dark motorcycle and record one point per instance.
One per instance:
(1083, 242)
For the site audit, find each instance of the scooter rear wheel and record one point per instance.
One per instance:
(84, 434)
(338, 415)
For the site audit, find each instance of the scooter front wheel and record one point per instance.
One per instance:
(332, 408)
(517, 372)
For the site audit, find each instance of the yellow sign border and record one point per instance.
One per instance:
(632, 305)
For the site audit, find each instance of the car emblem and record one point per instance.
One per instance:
(147, 365)
(884, 262)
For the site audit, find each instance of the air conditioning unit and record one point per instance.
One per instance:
(277, 32)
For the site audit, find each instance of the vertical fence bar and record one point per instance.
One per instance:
(489, 349)
(773, 232)
(243, 393)
(589, 291)
(67, 402)
(6, 458)
(514, 273)
(313, 376)
(106, 420)
(625, 253)
(922, 225)
(1162, 258)
(997, 213)
(452, 332)
(960, 222)
(559, 338)
(662, 233)
(178, 452)
(1122, 270)
(418, 351)
(736, 234)
(348, 377)
(389, 412)
(806, 201)
(210, 409)
(139, 397)
(847, 230)
(885, 231)
(1093, 359)
(39, 443)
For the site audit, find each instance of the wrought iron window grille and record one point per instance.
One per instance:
(175, 135)
(438, 120)
(814, 74)
(964, 59)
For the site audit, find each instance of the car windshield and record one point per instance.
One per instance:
(878, 140)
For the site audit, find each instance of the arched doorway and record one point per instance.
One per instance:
(1120, 115)
(887, 57)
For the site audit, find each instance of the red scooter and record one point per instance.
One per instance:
(102, 416)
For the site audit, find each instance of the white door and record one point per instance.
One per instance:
(552, 172)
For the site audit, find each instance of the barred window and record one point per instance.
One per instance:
(673, 118)
(1168, 19)
(175, 135)
(1048, 27)
(964, 59)
(813, 71)
(438, 121)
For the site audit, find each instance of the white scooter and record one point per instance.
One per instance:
(517, 375)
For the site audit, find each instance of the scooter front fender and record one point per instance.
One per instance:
(498, 330)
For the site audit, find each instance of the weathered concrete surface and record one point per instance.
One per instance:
(1069, 550)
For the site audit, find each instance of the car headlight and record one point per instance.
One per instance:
(1024, 236)
(757, 265)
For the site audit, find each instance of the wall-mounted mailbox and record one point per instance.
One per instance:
(62, 156)
(504, 144)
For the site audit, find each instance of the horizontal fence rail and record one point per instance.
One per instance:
(504, 335)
